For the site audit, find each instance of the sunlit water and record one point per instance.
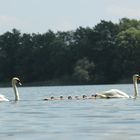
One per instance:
(31, 118)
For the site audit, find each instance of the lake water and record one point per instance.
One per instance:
(31, 118)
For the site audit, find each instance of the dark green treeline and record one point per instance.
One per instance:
(106, 53)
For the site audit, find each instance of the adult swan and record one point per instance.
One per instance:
(15, 81)
(115, 93)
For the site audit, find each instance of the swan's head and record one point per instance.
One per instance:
(52, 97)
(69, 97)
(61, 97)
(136, 77)
(84, 96)
(16, 80)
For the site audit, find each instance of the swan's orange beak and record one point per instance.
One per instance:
(20, 83)
(138, 77)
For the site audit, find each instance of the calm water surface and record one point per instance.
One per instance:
(103, 119)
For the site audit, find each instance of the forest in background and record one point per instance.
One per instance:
(104, 54)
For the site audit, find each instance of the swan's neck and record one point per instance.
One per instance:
(15, 91)
(135, 88)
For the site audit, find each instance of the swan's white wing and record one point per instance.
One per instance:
(112, 93)
(3, 98)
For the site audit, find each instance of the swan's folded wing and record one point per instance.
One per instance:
(112, 93)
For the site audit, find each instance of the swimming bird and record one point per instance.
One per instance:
(115, 93)
(70, 97)
(84, 97)
(15, 81)
(45, 99)
(52, 97)
(61, 97)
(93, 96)
(76, 97)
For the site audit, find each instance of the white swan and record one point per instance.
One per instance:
(15, 81)
(115, 93)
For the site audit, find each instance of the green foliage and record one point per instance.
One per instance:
(129, 49)
(106, 53)
(126, 23)
(82, 70)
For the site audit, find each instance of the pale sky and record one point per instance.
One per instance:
(38, 16)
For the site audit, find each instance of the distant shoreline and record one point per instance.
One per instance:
(53, 83)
